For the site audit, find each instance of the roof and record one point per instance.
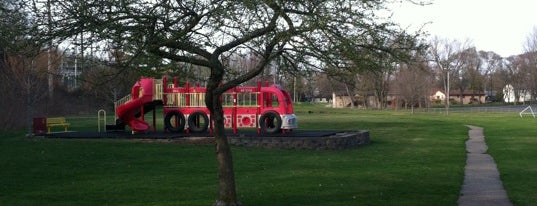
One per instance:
(456, 92)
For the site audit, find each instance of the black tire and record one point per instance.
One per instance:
(179, 124)
(270, 122)
(198, 122)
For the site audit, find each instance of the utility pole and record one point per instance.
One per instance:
(294, 89)
(49, 56)
(447, 93)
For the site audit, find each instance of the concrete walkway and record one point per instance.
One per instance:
(482, 185)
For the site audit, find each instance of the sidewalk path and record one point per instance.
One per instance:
(482, 185)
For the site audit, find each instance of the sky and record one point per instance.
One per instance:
(501, 26)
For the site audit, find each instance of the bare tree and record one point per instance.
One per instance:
(446, 58)
(490, 64)
(471, 73)
(512, 77)
(27, 80)
(107, 84)
(378, 81)
(327, 86)
(517, 75)
(531, 41)
(372, 68)
(413, 82)
(348, 81)
(524, 69)
(530, 62)
(21, 77)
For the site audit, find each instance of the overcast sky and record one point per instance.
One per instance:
(501, 26)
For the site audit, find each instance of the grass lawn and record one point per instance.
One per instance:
(412, 160)
(512, 141)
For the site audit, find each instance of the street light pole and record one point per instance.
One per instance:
(447, 93)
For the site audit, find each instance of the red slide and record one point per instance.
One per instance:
(142, 93)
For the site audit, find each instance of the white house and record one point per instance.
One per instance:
(438, 96)
(510, 97)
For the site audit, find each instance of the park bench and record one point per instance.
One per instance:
(57, 121)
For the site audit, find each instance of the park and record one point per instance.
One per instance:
(412, 160)
(231, 103)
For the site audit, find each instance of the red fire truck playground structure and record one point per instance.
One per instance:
(267, 108)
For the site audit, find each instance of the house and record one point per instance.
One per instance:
(340, 101)
(464, 97)
(368, 100)
(438, 97)
(510, 95)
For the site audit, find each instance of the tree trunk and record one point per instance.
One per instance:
(29, 108)
(226, 178)
(351, 97)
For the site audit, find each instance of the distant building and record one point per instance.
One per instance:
(368, 100)
(70, 71)
(438, 96)
(340, 101)
(465, 97)
(510, 95)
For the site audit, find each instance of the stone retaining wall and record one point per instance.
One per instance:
(338, 141)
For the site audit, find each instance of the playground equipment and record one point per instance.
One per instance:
(267, 108)
(101, 117)
(526, 109)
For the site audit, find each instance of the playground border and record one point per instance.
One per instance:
(304, 140)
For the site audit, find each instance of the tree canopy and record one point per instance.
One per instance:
(305, 35)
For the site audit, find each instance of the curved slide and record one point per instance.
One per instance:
(127, 112)
(142, 93)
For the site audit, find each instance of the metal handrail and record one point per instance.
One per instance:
(99, 119)
(120, 102)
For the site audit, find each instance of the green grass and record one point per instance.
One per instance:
(512, 142)
(412, 160)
